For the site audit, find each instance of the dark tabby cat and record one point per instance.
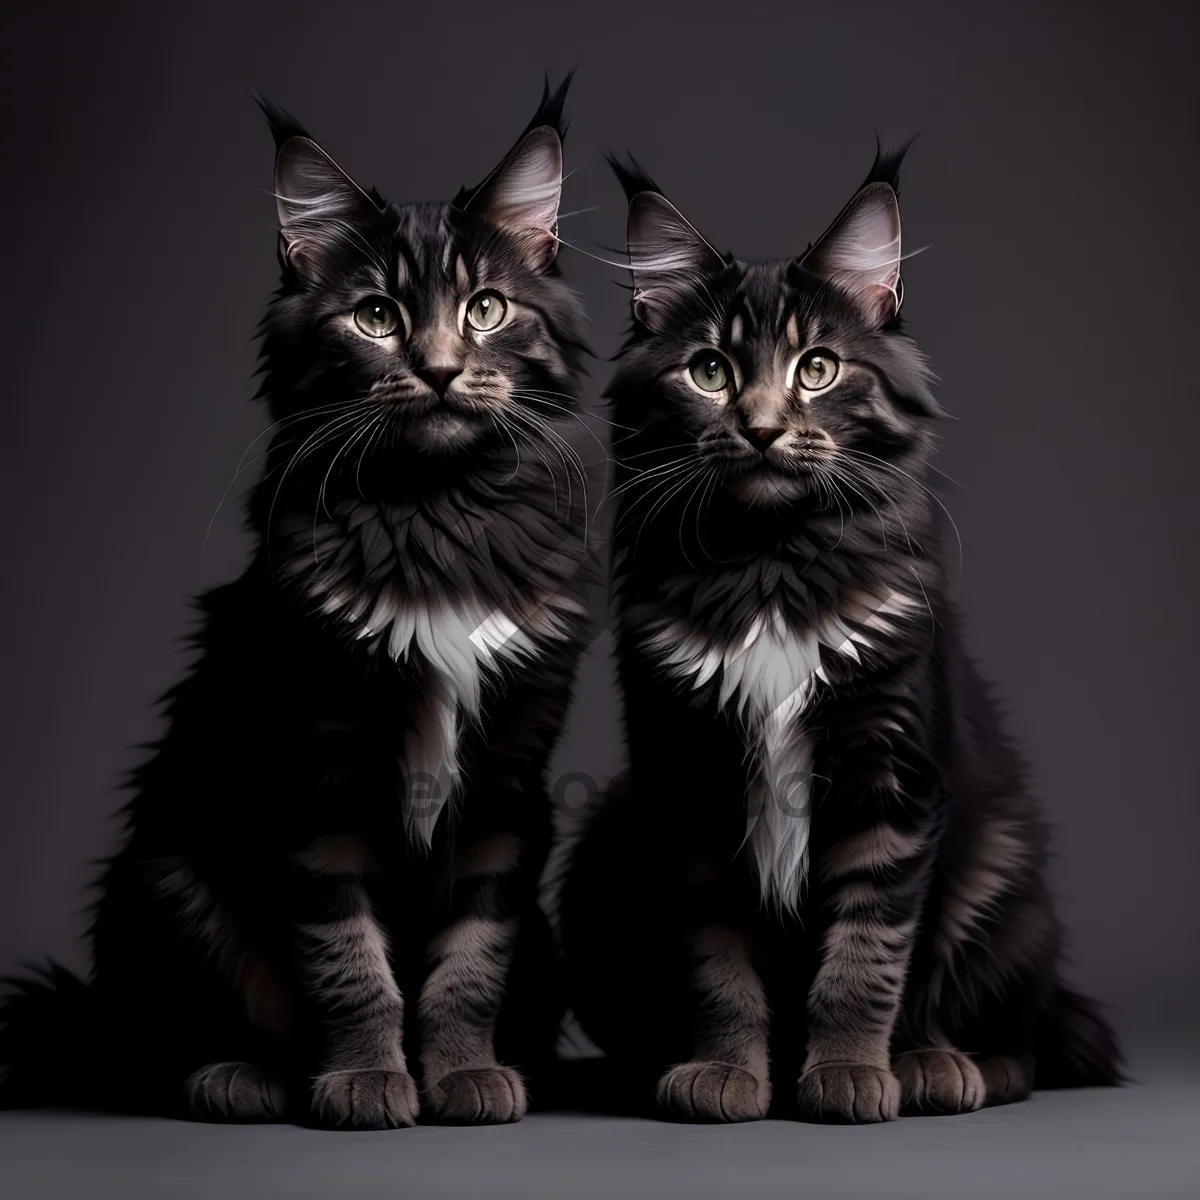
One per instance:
(824, 868)
(348, 809)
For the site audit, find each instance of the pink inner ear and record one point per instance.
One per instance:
(539, 246)
(523, 195)
(860, 253)
(880, 300)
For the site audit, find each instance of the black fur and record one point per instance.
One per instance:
(915, 966)
(274, 906)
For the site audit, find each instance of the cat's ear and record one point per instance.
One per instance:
(860, 252)
(521, 195)
(667, 254)
(318, 204)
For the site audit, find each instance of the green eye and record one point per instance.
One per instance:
(817, 370)
(709, 372)
(486, 310)
(378, 317)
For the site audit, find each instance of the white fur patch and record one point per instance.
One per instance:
(351, 571)
(768, 677)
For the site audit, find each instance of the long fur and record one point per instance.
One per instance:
(326, 893)
(822, 819)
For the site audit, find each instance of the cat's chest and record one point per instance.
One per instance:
(426, 594)
(425, 601)
(767, 661)
(766, 668)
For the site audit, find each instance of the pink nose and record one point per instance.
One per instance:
(439, 376)
(763, 435)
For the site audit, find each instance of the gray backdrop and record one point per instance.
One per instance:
(1054, 182)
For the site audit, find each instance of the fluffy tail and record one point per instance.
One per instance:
(47, 1026)
(1077, 1047)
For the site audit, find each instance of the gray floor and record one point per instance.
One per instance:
(1136, 1143)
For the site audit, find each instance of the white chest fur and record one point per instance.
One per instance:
(456, 641)
(769, 675)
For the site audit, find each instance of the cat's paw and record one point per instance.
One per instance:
(712, 1091)
(938, 1081)
(855, 1092)
(477, 1095)
(1007, 1079)
(368, 1099)
(233, 1091)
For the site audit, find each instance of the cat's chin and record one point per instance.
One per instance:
(767, 489)
(442, 433)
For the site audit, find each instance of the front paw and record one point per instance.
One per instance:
(854, 1092)
(234, 1091)
(478, 1095)
(366, 1099)
(712, 1091)
(938, 1081)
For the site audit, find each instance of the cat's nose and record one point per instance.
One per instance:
(439, 376)
(763, 435)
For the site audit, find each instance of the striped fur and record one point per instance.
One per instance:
(284, 930)
(815, 769)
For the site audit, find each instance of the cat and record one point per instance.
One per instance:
(823, 876)
(327, 891)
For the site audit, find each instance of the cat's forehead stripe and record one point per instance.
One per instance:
(446, 236)
(746, 314)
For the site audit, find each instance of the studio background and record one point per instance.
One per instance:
(1054, 182)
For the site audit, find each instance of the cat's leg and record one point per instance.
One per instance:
(502, 848)
(463, 992)
(872, 875)
(727, 1077)
(984, 971)
(224, 995)
(363, 1081)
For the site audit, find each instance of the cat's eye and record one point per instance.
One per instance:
(486, 310)
(379, 317)
(817, 370)
(710, 372)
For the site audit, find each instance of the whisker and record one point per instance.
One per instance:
(660, 504)
(321, 435)
(363, 425)
(914, 480)
(273, 428)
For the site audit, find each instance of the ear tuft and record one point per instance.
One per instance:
(632, 176)
(282, 124)
(886, 167)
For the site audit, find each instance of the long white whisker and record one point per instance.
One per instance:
(273, 428)
(914, 480)
(318, 437)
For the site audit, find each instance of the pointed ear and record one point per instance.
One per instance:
(860, 253)
(318, 204)
(666, 252)
(521, 195)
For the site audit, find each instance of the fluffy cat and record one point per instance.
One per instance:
(326, 898)
(823, 875)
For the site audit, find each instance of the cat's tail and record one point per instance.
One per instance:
(1077, 1046)
(47, 1028)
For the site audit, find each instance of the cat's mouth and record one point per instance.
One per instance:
(772, 475)
(441, 428)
